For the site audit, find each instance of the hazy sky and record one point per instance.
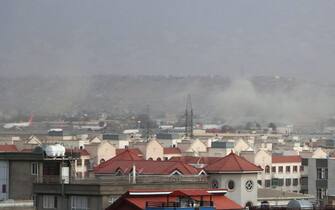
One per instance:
(286, 37)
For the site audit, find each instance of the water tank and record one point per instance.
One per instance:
(56, 150)
(55, 132)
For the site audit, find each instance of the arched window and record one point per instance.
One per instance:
(231, 185)
(267, 169)
(102, 161)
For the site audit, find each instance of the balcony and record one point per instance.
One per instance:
(195, 205)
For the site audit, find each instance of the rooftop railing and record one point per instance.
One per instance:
(112, 179)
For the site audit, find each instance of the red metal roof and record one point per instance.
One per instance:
(132, 150)
(196, 160)
(148, 167)
(8, 148)
(171, 150)
(221, 202)
(286, 159)
(125, 155)
(232, 163)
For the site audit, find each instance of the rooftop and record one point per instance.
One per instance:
(171, 150)
(286, 159)
(8, 148)
(143, 199)
(232, 163)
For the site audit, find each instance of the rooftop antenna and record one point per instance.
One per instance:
(189, 118)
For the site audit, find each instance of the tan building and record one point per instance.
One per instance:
(151, 150)
(194, 147)
(100, 152)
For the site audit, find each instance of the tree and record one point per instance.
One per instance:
(272, 126)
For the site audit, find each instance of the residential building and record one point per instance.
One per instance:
(317, 179)
(286, 173)
(151, 149)
(120, 141)
(100, 152)
(168, 139)
(190, 199)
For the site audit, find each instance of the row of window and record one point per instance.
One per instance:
(280, 169)
(279, 182)
(77, 202)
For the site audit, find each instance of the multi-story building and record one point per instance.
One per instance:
(279, 172)
(317, 179)
(285, 172)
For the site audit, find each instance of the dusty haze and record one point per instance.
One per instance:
(51, 50)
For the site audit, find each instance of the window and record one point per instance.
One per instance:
(87, 162)
(259, 182)
(280, 169)
(4, 188)
(288, 182)
(273, 169)
(322, 173)
(295, 182)
(321, 193)
(274, 182)
(288, 169)
(295, 168)
(79, 162)
(249, 185)
(34, 168)
(301, 168)
(49, 202)
(231, 185)
(268, 183)
(267, 169)
(79, 203)
(280, 182)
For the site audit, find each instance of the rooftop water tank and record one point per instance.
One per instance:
(56, 150)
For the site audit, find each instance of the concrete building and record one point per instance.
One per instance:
(236, 174)
(286, 173)
(19, 170)
(168, 139)
(192, 147)
(151, 149)
(100, 152)
(317, 179)
(120, 141)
